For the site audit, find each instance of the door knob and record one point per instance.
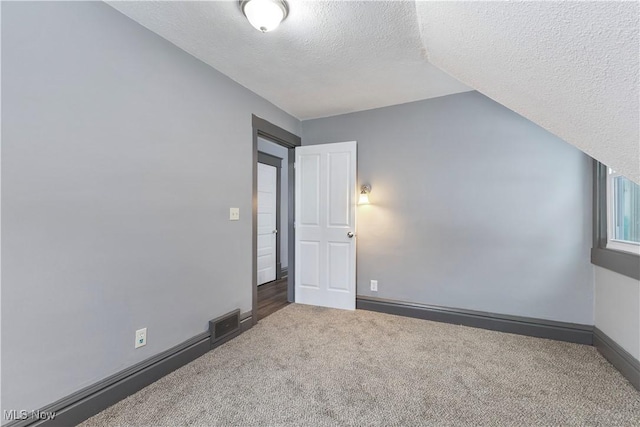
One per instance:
(350, 234)
(275, 231)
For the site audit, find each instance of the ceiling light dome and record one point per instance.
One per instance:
(264, 15)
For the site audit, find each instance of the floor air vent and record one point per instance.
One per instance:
(224, 326)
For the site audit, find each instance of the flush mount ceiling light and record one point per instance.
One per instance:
(264, 15)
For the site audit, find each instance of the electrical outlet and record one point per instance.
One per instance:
(141, 337)
(374, 285)
(234, 214)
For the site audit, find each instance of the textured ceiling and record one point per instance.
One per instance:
(326, 58)
(570, 67)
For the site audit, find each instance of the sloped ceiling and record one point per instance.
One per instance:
(326, 58)
(570, 67)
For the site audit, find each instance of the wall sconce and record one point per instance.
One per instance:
(364, 194)
(264, 15)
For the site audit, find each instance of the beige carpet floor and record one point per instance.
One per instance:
(309, 366)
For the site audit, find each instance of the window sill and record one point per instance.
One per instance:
(625, 263)
(622, 246)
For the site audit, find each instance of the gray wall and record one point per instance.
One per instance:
(121, 155)
(277, 150)
(472, 206)
(617, 308)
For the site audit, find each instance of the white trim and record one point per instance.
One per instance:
(621, 245)
(610, 207)
(612, 243)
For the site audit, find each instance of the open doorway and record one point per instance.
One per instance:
(273, 211)
(272, 223)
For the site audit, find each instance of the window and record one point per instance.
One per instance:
(616, 222)
(623, 213)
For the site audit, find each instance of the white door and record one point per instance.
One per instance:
(325, 244)
(267, 229)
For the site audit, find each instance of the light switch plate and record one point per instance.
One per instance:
(234, 214)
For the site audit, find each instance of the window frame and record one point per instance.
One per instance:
(616, 244)
(604, 254)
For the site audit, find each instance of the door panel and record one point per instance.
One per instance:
(310, 190)
(338, 206)
(310, 264)
(325, 272)
(267, 196)
(338, 266)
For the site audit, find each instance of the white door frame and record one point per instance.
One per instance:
(288, 140)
